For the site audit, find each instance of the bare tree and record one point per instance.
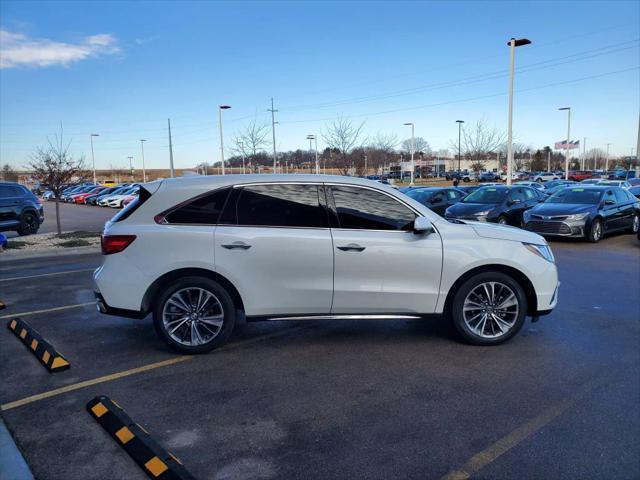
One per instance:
(342, 135)
(420, 143)
(479, 141)
(55, 166)
(251, 140)
(384, 142)
(9, 174)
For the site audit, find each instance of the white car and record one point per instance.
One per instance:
(616, 183)
(200, 252)
(545, 177)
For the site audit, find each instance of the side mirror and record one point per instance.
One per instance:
(422, 225)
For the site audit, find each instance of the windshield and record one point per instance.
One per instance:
(419, 195)
(576, 195)
(486, 195)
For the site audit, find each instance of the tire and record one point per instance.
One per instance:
(501, 324)
(539, 180)
(29, 224)
(466, 180)
(502, 220)
(635, 224)
(594, 235)
(167, 315)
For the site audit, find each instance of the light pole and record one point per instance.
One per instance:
(144, 172)
(606, 168)
(313, 137)
(566, 147)
(130, 168)
(273, 133)
(459, 122)
(220, 108)
(584, 153)
(241, 145)
(513, 43)
(413, 148)
(93, 158)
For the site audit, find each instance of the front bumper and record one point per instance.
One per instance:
(556, 228)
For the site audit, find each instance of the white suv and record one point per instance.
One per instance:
(545, 177)
(201, 252)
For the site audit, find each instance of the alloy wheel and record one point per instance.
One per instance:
(193, 316)
(596, 231)
(491, 309)
(636, 223)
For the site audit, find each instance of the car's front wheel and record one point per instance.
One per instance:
(594, 234)
(194, 315)
(29, 224)
(489, 308)
(635, 224)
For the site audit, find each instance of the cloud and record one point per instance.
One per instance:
(18, 50)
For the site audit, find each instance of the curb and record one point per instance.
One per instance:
(58, 252)
(12, 462)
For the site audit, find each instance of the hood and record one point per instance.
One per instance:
(462, 209)
(504, 232)
(553, 209)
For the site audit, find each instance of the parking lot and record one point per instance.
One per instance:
(358, 399)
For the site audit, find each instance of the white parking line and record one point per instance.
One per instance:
(46, 310)
(47, 274)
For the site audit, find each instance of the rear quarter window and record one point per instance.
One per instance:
(202, 210)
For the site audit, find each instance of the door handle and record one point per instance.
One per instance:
(237, 246)
(352, 247)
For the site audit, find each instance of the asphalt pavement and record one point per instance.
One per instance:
(350, 399)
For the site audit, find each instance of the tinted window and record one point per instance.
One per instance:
(530, 194)
(486, 195)
(203, 210)
(518, 194)
(453, 195)
(7, 191)
(281, 206)
(621, 196)
(585, 196)
(420, 195)
(360, 208)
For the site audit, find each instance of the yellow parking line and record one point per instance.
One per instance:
(515, 437)
(46, 310)
(133, 371)
(47, 274)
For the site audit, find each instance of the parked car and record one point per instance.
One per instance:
(467, 189)
(616, 183)
(488, 177)
(635, 191)
(435, 198)
(545, 177)
(469, 176)
(590, 181)
(535, 185)
(579, 175)
(587, 212)
(634, 181)
(451, 175)
(115, 201)
(103, 200)
(20, 209)
(498, 204)
(92, 198)
(553, 187)
(314, 247)
(622, 174)
(80, 198)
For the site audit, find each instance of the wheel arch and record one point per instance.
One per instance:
(517, 275)
(158, 285)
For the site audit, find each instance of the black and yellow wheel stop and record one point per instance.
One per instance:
(53, 360)
(156, 462)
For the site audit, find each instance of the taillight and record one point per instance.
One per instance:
(115, 243)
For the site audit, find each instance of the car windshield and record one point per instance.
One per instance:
(420, 195)
(584, 196)
(486, 195)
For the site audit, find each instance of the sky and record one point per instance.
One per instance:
(120, 69)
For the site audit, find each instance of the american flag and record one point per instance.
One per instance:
(562, 145)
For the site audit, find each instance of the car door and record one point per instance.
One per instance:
(438, 202)
(381, 266)
(274, 244)
(453, 196)
(625, 209)
(10, 200)
(610, 211)
(517, 204)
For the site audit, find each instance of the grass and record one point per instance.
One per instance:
(78, 235)
(15, 244)
(76, 242)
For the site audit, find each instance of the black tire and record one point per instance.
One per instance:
(220, 294)
(457, 315)
(594, 234)
(539, 180)
(29, 224)
(467, 180)
(502, 220)
(635, 224)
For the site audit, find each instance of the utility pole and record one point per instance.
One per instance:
(566, 147)
(413, 148)
(130, 168)
(459, 122)
(173, 173)
(93, 158)
(584, 153)
(273, 133)
(144, 172)
(606, 168)
(549, 161)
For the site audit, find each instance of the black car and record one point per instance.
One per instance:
(435, 198)
(635, 191)
(20, 210)
(93, 198)
(498, 204)
(488, 177)
(588, 212)
(468, 188)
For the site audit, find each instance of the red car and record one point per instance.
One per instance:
(579, 175)
(79, 197)
(128, 199)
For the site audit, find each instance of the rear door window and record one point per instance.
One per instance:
(621, 196)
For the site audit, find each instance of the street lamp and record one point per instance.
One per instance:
(241, 145)
(130, 168)
(313, 137)
(93, 158)
(513, 43)
(413, 148)
(459, 122)
(144, 172)
(566, 147)
(606, 168)
(220, 108)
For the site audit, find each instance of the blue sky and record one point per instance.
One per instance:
(121, 69)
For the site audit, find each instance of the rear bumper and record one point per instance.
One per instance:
(103, 307)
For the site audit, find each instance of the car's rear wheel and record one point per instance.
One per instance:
(595, 232)
(502, 220)
(635, 224)
(194, 315)
(489, 308)
(29, 224)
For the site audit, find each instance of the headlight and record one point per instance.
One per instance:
(483, 213)
(541, 250)
(578, 216)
